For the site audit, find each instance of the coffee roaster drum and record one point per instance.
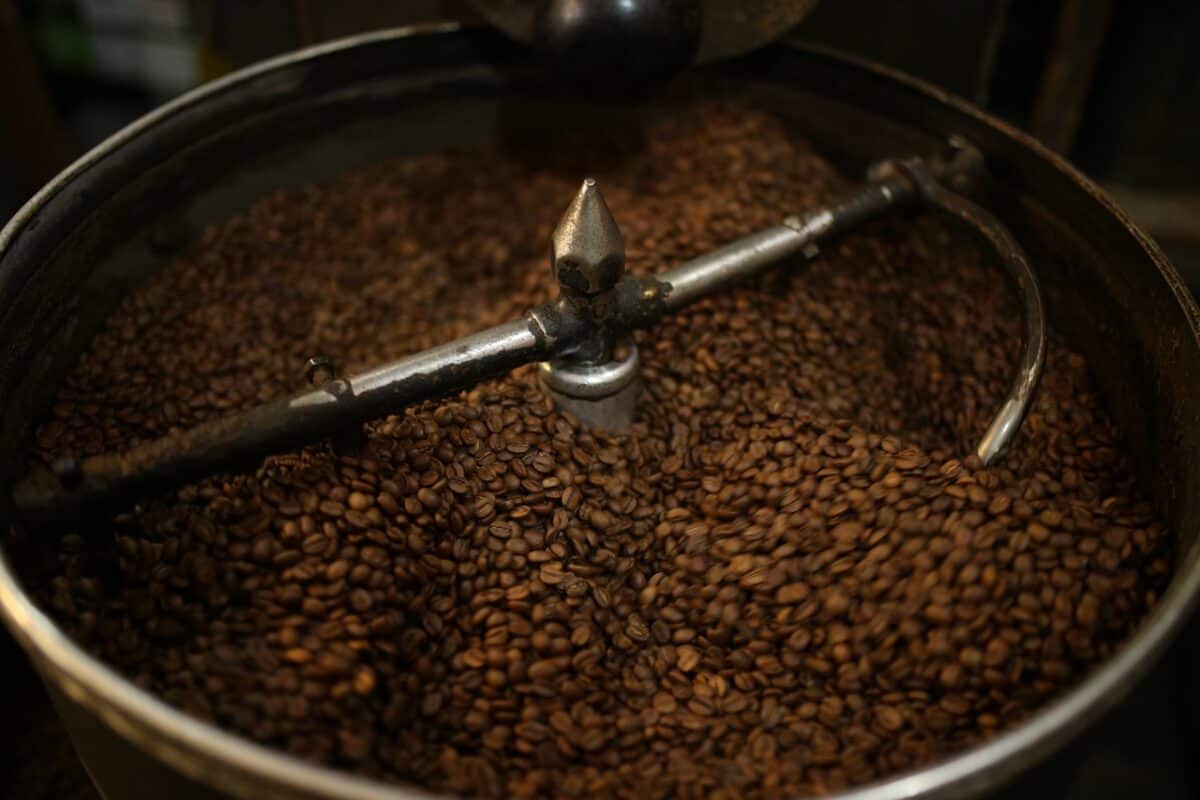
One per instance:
(120, 212)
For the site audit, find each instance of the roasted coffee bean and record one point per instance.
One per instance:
(786, 579)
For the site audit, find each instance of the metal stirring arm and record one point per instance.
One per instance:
(107, 481)
(1007, 421)
(582, 340)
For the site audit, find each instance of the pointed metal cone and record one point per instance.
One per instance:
(587, 249)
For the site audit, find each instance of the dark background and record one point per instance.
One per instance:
(1112, 84)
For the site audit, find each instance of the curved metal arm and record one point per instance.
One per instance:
(892, 183)
(1007, 421)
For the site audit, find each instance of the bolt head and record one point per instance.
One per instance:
(587, 249)
(318, 370)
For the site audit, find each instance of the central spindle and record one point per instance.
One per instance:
(596, 381)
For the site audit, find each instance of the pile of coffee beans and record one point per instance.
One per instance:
(789, 578)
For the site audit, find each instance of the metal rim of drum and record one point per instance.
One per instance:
(229, 763)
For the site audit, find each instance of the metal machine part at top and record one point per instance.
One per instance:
(589, 362)
(639, 39)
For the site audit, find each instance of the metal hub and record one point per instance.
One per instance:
(602, 395)
(597, 380)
